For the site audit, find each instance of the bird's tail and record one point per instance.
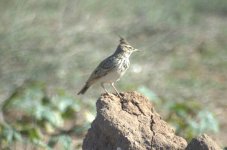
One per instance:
(84, 89)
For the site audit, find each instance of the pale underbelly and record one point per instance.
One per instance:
(111, 77)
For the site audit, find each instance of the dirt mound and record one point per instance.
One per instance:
(129, 123)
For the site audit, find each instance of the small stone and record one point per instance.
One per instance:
(203, 142)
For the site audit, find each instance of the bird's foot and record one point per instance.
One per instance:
(118, 94)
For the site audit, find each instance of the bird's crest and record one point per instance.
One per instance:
(123, 41)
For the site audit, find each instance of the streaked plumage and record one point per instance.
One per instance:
(112, 68)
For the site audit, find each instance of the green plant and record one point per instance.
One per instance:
(33, 117)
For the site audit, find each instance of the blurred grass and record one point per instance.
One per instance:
(57, 42)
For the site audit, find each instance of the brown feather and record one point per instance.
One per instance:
(84, 89)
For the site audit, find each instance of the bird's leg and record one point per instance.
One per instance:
(102, 84)
(115, 89)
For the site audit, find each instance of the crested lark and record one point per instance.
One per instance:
(111, 68)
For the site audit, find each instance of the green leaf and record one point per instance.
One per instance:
(66, 141)
(35, 133)
(207, 122)
(149, 93)
(17, 136)
(8, 134)
(63, 140)
(63, 102)
(41, 143)
(53, 141)
(54, 117)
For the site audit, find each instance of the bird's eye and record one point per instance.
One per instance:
(129, 47)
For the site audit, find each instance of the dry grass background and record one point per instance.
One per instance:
(59, 42)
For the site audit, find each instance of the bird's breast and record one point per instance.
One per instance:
(117, 72)
(124, 65)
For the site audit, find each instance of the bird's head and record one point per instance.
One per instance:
(125, 47)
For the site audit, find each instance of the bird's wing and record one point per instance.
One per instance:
(105, 67)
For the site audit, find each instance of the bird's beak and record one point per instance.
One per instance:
(136, 50)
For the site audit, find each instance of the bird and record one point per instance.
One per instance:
(112, 68)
